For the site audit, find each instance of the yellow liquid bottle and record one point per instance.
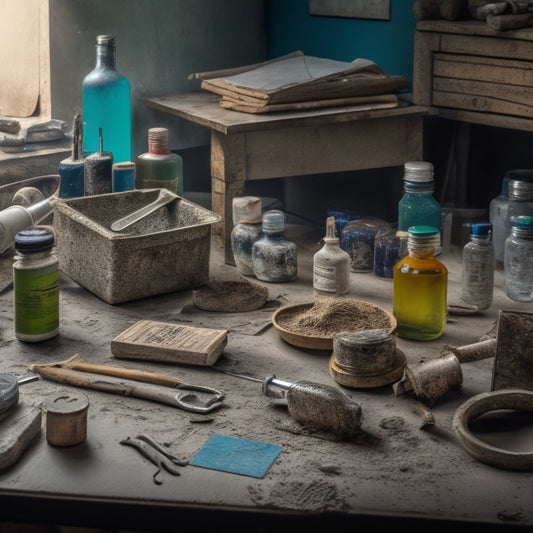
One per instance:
(420, 287)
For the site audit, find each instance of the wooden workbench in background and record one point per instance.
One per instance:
(248, 146)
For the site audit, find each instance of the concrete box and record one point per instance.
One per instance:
(165, 252)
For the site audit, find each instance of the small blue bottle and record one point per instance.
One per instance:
(274, 258)
(418, 207)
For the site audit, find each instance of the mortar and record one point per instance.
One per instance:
(166, 251)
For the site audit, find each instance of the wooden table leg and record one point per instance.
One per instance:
(228, 176)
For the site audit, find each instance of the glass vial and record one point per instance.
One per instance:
(420, 284)
(499, 209)
(123, 176)
(520, 202)
(418, 207)
(390, 246)
(274, 258)
(478, 267)
(357, 239)
(35, 285)
(331, 265)
(106, 104)
(247, 218)
(159, 167)
(518, 260)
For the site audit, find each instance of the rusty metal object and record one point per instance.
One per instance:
(474, 352)
(480, 404)
(513, 360)
(366, 358)
(319, 406)
(431, 379)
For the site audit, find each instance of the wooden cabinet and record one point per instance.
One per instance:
(472, 73)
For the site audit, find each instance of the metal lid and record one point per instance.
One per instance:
(522, 222)
(520, 174)
(34, 240)
(9, 392)
(481, 229)
(422, 231)
(105, 40)
(419, 171)
(273, 220)
(520, 189)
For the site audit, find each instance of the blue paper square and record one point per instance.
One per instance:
(238, 456)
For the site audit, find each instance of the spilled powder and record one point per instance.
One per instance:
(328, 316)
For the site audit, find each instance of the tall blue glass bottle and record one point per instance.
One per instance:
(107, 104)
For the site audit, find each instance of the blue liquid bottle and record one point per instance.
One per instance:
(417, 206)
(107, 104)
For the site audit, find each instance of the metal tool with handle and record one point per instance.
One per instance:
(164, 198)
(145, 385)
(313, 404)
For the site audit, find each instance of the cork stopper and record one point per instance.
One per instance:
(247, 210)
(158, 141)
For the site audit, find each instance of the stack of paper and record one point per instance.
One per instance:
(298, 81)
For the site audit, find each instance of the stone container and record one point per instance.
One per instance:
(164, 252)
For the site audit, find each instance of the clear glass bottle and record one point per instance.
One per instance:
(418, 207)
(36, 285)
(331, 265)
(520, 202)
(106, 104)
(420, 284)
(274, 258)
(159, 167)
(478, 267)
(498, 212)
(518, 260)
(247, 218)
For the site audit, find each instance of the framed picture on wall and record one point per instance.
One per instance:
(356, 9)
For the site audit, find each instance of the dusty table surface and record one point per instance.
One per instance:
(399, 468)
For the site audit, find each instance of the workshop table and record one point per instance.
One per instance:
(400, 473)
(246, 146)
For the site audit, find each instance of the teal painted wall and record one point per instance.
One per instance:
(387, 43)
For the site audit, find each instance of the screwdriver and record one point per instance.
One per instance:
(314, 404)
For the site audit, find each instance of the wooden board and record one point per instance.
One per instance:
(19, 57)
(149, 340)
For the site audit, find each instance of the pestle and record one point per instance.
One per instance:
(98, 173)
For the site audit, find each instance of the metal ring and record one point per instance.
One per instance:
(516, 399)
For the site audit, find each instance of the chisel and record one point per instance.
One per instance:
(71, 170)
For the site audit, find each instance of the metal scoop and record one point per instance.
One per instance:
(164, 198)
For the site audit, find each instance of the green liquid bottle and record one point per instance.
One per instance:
(420, 287)
(159, 168)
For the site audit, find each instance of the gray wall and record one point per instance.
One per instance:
(159, 43)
